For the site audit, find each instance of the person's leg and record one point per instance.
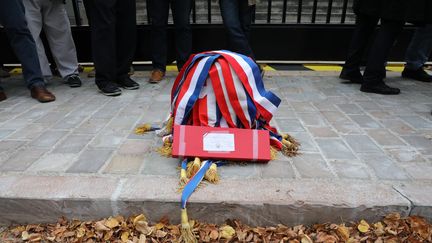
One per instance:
(125, 42)
(245, 14)
(365, 26)
(373, 77)
(237, 39)
(88, 5)
(417, 54)
(59, 35)
(159, 10)
(13, 19)
(103, 19)
(183, 31)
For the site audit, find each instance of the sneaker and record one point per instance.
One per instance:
(419, 75)
(156, 76)
(128, 83)
(73, 81)
(354, 77)
(380, 88)
(109, 89)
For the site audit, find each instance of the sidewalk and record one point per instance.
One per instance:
(362, 155)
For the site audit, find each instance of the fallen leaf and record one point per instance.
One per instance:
(25, 235)
(80, 232)
(111, 223)
(363, 226)
(124, 236)
(343, 232)
(142, 239)
(214, 234)
(306, 239)
(160, 233)
(139, 218)
(99, 226)
(226, 232)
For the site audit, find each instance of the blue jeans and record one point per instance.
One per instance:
(12, 17)
(237, 19)
(420, 47)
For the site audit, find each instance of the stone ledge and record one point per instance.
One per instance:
(37, 199)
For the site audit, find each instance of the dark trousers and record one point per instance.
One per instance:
(365, 27)
(380, 51)
(237, 19)
(12, 17)
(113, 25)
(159, 10)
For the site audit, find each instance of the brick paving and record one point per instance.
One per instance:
(346, 135)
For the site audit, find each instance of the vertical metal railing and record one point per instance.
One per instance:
(209, 12)
(299, 11)
(269, 10)
(344, 11)
(77, 13)
(194, 11)
(329, 11)
(314, 11)
(284, 9)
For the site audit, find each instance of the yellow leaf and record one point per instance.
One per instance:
(306, 239)
(161, 234)
(112, 223)
(379, 229)
(80, 232)
(226, 232)
(125, 236)
(343, 232)
(159, 226)
(142, 239)
(363, 226)
(139, 218)
(143, 228)
(25, 235)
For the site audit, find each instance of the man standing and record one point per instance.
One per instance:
(418, 53)
(13, 19)
(52, 17)
(159, 10)
(113, 25)
(237, 19)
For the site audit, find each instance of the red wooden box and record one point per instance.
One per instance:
(221, 143)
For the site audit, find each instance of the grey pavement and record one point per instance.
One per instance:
(362, 155)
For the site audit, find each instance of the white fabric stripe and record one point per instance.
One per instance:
(211, 105)
(251, 79)
(182, 144)
(225, 92)
(254, 144)
(183, 102)
(241, 94)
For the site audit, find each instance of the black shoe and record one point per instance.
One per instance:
(2, 95)
(354, 77)
(128, 83)
(73, 81)
(380, 88)
(4, 73)
(109, 89)
(419, 75)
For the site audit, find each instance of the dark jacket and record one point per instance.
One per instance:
(386, 9)
(419, 12)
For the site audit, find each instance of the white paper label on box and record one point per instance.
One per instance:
(218, 142)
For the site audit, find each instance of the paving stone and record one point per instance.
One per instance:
(22, 159)
(70, 122)
(155, 164)
(5, 132)
(348, 127)
(419, 142)
(53, 163)
(241, 171)
(123, 123)
(278, 168)
(124, 164)
(306, 142)
(33, 114)
(365, 121)
(334, 148)
(31, 131)
(91, 126)
(73, 144)
(8, 146)
(385, 138)
(302, 106)
(351, 109)
(369, 106)
(108, 139)
(90, 161)
(312, 166)
(335, 116)
(405, 155)
(417, 122)
(48, 139)
(311, 119)
(419, 171)
(398, 126)
(380, 115)
(289, 125)
(361, 143)
(383, 166)
(322, 132)
(136, 147)
(350, 169)
(15, 124)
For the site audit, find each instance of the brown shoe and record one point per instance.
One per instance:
(156, 76)
(42, 94)
(2, 96)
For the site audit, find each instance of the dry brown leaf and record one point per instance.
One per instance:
(25, 235)
(80, 232)
(142, 227)
(160, 233)
(226, 232)
(99, 226)
(108, 235)
(343, 232)
(112, 223)
(142, 239)
(214, 234)
(363, 226)
(139, 218)
(306, 239)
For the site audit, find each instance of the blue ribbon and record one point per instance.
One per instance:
(194, 182)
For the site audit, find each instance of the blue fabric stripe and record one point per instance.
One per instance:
(194, 182)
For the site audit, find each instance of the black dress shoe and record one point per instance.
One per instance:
(380, 88)
(353, 77)
(128, 83)
(109, 88)
(419, 75)
(2, 95)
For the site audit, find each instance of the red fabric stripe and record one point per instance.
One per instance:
(184, 88)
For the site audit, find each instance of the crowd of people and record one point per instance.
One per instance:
(113, 38)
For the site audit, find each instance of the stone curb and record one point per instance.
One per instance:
(38, 199)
